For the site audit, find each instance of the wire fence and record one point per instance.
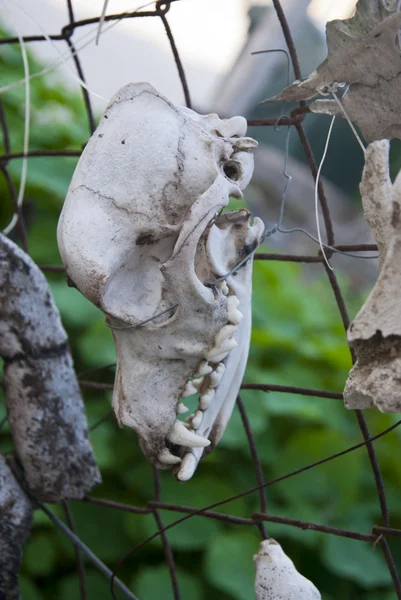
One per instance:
(380, 532)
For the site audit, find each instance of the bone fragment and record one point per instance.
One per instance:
(375, 334)
(277, 577)
(44, 404)
(15, 527)
(180, 435)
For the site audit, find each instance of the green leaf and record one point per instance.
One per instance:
(355, 560)
(96, 344)
(325, 481)
(98, 587)
(40, 555)
(154, 583)
(28, 589)
(75, 309)
(101, 528)
(229, 563)
(102, 439)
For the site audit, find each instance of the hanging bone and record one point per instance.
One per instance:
(375, 334)
(277, 577)
(44, 405)
(15, 527)
(363, 56)
(142, 236)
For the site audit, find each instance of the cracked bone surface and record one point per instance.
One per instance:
(277, 577)
(375, 334)
(141, 232)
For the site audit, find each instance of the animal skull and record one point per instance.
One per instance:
(142, 237)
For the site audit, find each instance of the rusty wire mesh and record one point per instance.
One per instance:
(379, 532)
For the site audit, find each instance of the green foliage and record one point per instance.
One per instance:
(297, 339)
(156, 583)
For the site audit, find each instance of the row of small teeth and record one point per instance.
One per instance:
(207, 379)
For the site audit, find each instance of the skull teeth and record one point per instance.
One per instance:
(216, 353)
(189, 390)
(203, 369)
(224, 339)
(188, 466)
(216, 376)
(181, 436)
(207, 379)
(206, 399)
(197, 383)
(166, 458)
(197, 419)
(222, 285)
(219, 357)
(224, 334)
(192, 387)
(234, 315)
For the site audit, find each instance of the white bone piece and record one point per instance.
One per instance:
(375, 334)
(142, 235)
(277, 577)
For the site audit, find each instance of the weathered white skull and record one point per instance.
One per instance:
(139, 235)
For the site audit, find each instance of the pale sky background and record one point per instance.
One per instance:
(209, 35)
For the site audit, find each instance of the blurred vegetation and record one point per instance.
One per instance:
(297, 339)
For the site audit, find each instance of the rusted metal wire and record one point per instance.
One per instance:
(168, 553)
(256, 462)
(78, 554)
(379, 533)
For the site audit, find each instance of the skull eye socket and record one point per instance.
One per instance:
(232, 170)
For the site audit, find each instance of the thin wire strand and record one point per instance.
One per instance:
(341, 305)
(101, 22)
(160, 314)
(319, 235)
(284, 51)
(350, 123)
(247, 493)
(27, 118)
(68, 55)
(78, 555)
(65, 57)
(102, 568)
